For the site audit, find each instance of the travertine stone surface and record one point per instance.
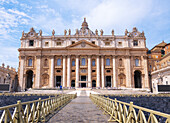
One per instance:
(80, 110)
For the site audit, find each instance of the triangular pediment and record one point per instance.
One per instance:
(83, 44)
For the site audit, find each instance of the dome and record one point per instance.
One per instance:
(84, 24)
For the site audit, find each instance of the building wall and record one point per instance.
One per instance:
(4, 71)
(46, 50)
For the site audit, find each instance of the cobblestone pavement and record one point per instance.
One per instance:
(80, 110)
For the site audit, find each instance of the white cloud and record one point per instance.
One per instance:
(119, 15)
(9, 56)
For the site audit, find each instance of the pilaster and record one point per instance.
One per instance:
(89, 72)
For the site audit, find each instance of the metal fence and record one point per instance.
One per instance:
(127, 113)
(34, 111)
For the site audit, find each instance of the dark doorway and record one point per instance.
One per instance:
(29, 78)
(108, 81)
(93, 83)
(83, 85)
(58, 81)
(137, 79)
(73, 83)
(83, 78)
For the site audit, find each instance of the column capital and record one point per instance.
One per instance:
(113, 56)
(64, 56)
(51, 56)
(22, 57)
(127, 56)
(38, 56)
(77, 55)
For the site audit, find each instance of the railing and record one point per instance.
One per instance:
(127, 113)
(34, 111)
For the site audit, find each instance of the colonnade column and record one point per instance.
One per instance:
(68, 71)
(77, 71)
(21, 75)
(64, 71)
(128, 72)
(114, 72)
(145, 66)
(102, 70)
(52, 72)
(89, 72)
(38, 72)
(98, 71)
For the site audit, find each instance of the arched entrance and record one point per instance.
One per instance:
(93, 83)
(137, 79)
(73, 83)
(29, 78)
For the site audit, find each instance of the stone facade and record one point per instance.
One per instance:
(83, 59)
(8, 76)
(161, 72)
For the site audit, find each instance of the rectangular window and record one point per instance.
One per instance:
(73, 63)
(136, 62)
(31, 43)
(83, 61)
(119, 43)
(93, 70)
(108, 71)
(107, 62)
(93, 42)
(93, 62)
(58, 71)
(73, 42)
(135, 43)
(107, 43)
(46, 44)
(58, 43)
(30, 62)
(73, 70)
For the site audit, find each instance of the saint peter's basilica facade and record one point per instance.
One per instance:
(84, 59)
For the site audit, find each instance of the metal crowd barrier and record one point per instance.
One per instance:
(34, 111)
(125, 113)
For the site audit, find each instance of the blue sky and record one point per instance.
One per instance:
(150, 16)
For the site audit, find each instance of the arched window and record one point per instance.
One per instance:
(93, 62)
(107, 62)
(59, 62)
(120, 63)
(83, 61)
(136, 62)
(30, 62)
(73, 62)
(46, 62)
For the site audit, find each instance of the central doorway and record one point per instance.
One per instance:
(83, 78)
(83, 85)
(29, 78)
(108, 81)
(58, 81)
(137, 79)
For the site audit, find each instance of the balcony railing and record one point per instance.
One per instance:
(126, 113)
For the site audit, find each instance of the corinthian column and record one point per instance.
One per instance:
(102, 70)
(21, 74)
(68, 71)
(38, 71)
(89, 71)
(64, 71)
(98, 71)
(77, 71)
(114, 72)
(52, 72)
(128, 72)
